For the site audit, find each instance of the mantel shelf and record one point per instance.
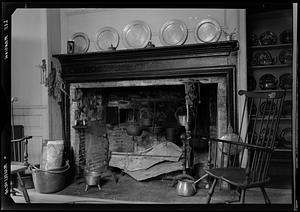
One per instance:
(149, 63)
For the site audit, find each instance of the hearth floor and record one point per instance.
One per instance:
(128, 190)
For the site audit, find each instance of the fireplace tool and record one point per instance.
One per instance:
(191, 98)
(186, 148)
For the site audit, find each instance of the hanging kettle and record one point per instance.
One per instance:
(145, 117)
(181, 117)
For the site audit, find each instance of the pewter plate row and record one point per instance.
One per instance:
(138, 33)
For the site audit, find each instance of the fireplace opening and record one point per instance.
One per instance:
(153, 108)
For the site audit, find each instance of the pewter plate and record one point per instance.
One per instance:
(136, 34)
(173, 32)
(207, 30)
(107, 37)
(81, 42)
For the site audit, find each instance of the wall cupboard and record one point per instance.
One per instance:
(269, 67)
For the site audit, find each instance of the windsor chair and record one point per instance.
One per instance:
(244, 163)
(19, 162)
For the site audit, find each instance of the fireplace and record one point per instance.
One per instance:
(114, 88)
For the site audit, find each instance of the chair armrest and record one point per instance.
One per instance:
(21, 139)
(250, 146)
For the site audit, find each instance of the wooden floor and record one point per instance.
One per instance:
(279, 196)
(129, 191)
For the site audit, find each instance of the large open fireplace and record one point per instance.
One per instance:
(110, 90)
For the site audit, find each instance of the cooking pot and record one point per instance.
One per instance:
(186, 188)
(145, 117)
(134, 129)
(92, 178)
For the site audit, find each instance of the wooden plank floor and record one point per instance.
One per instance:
(128, 190)
(277, 196)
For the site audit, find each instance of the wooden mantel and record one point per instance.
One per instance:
(149, 63)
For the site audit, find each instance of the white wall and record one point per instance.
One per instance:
(27, 52)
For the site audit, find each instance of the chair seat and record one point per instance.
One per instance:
(17, 168)
(235, 176)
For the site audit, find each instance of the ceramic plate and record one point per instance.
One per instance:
(263, 58)
(106, 37)
(286, 36)
(137, 34)
(81, 42)
(286, 56)
(286, 137)
(173, 32)
(253, 40)
(286, 81)
(268, 38)
(268, 81)
(207, 30)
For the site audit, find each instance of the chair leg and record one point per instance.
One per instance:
(242, 196)
(24, 190)
(211, 191)
(267, 200)
(114, 176)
